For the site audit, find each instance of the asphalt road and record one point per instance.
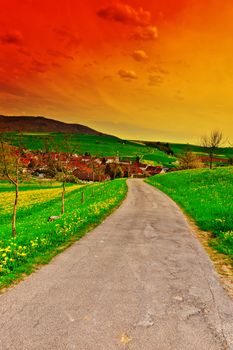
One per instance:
(139, 281)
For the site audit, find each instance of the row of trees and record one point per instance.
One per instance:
(210, 144)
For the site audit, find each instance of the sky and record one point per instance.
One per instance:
(139, 69)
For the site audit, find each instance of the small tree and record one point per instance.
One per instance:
(60, 164)
(94, 168)
(211, 143)
(11, 168)
(108, 170)
(189, 160)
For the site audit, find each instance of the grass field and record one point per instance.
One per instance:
(5, 186)
(100, 146)
(158, 157)
(104, 146)
(38, 240)
(222, 152)
(95, 145)
(207, 197)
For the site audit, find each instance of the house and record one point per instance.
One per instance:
(110, 160)
(137, 172)
(86, 173)
(153, 170)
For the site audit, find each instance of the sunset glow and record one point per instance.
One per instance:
(138, 69)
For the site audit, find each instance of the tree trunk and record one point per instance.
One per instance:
(63, 198)
(15, 210)
(211, 161)
(83, 197)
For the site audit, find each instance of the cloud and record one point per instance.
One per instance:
(56, 53)
(107, 78)
(155, 80)
(24, 52)
(11, 88)
(56, 65)
(127, 75)
(157, 69)
(67, 35)
(12, 38)
(90, 64)
(39, 67)
(146, 33)
(125, 14)
(139, 55)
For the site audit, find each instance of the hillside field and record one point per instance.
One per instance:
(100, 146)
(38, 240)
(206, 196)
(107, 146)
(178, 148)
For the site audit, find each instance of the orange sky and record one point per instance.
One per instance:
(145, 69)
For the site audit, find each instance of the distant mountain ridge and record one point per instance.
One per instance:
(42, 124)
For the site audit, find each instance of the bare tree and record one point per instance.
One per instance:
(11, 168)
(211, 143)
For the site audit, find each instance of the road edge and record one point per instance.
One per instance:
(222, 263)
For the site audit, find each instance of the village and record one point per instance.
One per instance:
(86, 167)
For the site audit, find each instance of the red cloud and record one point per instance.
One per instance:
(11, 38)
(59, 54)
(11, 88)
(127, 74)
(125, 14)
(147, 33)
(68, 36)
(139, 55)
(39, 67)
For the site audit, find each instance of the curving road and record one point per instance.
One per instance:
(139, 281)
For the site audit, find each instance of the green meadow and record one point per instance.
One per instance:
(5, 185)
(79, 143)
(207, 197)
(157, 157)
(100, 146)
(179, 148)
(38, 239)
(107, 146)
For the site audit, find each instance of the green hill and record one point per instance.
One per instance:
(100, 146)
(107, 146)
(178, 148)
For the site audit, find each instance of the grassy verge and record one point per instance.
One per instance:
(6, 186)
(207, 197)
(38, 240)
